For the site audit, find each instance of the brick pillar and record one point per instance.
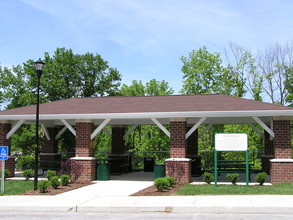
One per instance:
(118, 144)
(50, 151)
(84, 151)
(268, 153)
(10, 163)
(282, 164)
(178, 165)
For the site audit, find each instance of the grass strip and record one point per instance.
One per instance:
(14, 187)
(277, 189)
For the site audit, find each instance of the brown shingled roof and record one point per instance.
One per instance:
(144, 104)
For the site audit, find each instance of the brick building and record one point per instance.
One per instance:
(86, 117)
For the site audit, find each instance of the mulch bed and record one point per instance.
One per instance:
(61, 189)
(152, 191)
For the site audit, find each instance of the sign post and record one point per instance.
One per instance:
(231, 142)
(3, 157)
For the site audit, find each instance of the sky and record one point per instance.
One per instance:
(143, 39)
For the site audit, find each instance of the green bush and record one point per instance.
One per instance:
(55, 182)
(6, 173)
(233, 177)
(43, 185)
(161, 184)
(171, 181)
(261, 178)
(28, 173)
(50, 174)
(25, 162)
(64, 180)
(208, 177)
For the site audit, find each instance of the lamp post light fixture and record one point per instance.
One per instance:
(39, 65)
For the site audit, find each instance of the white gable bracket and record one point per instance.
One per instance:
(69, 127)
(14, 129)
(194, 127)
(161, 127)
(131, 130)
(257, 131)
(60, 132)
(46, 132)
(272, 134)
(107, 132)
(204, 131)
(99, 128)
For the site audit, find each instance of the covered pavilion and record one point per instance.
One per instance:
(86, 117)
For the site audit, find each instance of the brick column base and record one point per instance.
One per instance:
(180, 169)
(9, 165)
(281, 171)
(88, 166)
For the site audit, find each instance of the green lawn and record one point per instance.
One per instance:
(13, 187)
(278, 189)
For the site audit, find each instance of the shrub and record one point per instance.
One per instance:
(233, 177)
(161, 184)
(171, 181)
(6, 173)
(43, 185)
(55, 182)
(25, 162)
(208, 177)
(28, 173)
(64, 179)
(50, 174)
(261, 178)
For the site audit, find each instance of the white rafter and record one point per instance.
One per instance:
(204, 131)
(69, 126)
(256, 130)
(60, 132)
(194, 127)
(14, 129)
(100, 127)
(161, 127)
(131, 130)
(260, 122)
(46, 132)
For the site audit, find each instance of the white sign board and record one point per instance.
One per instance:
(231, 142)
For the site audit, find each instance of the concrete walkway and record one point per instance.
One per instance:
(113, 196)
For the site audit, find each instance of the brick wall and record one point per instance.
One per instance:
(88, 169)
(10, 163)
(178, 143)
(118, 144)
(179, 169)
(282, 140)
(84, 147)
(281, 172)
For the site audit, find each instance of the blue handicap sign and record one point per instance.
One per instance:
(3, 152)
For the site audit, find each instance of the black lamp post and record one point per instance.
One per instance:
(39, 69)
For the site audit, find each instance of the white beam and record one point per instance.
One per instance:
(14, 129)
(204, 131)
(161, 127)
(257, 131)
(60, 132)
(272, 134)
(107, 132)
(194, 127)
(46, 132)
(131, 130)
(100, 127)
(69, 127)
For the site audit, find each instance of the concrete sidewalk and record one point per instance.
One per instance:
(113, 196)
